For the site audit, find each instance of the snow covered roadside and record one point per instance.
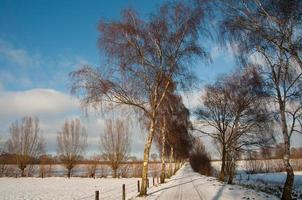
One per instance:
(187, 184)
(65, 189)
(277, 178)
(271, 182)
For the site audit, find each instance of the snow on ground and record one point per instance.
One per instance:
(270, 178)
(187, 184)
(271, 182)
(64, 188)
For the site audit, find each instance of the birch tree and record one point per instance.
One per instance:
(271, 31)
(145, 56)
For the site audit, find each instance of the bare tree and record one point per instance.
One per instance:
(200, 160)
(234, 108)
(25, 142)
(145, 56)
(115, 143)
(71, 142)
(272, 29)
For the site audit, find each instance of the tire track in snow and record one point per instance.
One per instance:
(201, 196)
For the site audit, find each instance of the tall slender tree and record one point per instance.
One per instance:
(271, 31)
(145, 56)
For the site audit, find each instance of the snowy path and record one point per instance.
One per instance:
(187, 184)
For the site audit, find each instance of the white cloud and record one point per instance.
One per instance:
(15, 55)
(50, 106)
(35, 102)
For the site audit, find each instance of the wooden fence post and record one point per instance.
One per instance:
(97, 195)
(153, 181)
(148, 182)
(124, 192)
(138, 186)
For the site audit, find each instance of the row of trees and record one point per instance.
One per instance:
(173, 130)
(27, 145)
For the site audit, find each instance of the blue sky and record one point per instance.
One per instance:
(42, 41)
(48, 39)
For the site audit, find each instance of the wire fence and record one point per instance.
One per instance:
(115, 191)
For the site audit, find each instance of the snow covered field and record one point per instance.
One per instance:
(268, 182)
(271, 182)
(270, 178)
(64, 188)
(186, 184)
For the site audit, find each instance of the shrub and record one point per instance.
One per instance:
(200, 160)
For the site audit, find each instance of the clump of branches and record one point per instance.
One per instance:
(72, 140)
(25, 142)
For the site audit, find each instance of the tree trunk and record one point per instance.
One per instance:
(114, 173)
(171, 160)
(288, 185)
(22, 167)
(163, 164)
(23, 172)
(230, 179)
(69, 172)
(147, 147)
(222, 170)
(176, 167)
(231, 172)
